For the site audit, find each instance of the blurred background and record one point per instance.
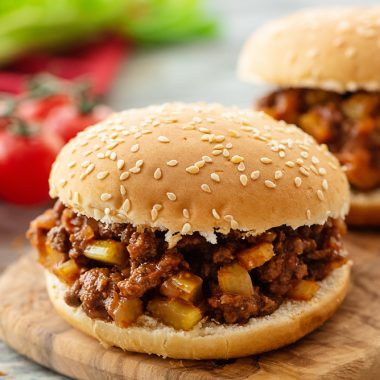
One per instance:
(65, 64)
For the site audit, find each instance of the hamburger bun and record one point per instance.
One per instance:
(186, 168)
(333, 49)
(365, 209)
(292, 321)
(194, 185)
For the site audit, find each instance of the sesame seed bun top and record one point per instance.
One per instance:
(199, 167)
(334, 49)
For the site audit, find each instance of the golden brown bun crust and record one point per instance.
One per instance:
(136, 167)
(365, 209)
(290, 322)
(334, 49)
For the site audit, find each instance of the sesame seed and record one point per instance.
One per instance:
(113, 156)
(278, 174)
(186, 228)
(237, 159)
(243, 179)
(304, 154)
(299, 161)
(102, 175)
(154, 214)
(84, 164)
(215, 177)
(135, 148)
(124, 176)
(200, 164)
(107, 211)
(207, 159)
(204, 130)
(320, 195)
(217, 152)
(186, 213)
(333, 166)
(71, 164)
(163, 139)
(135, 170)
(290, 164)
(139, 163)
(171, 196)
(265, 160)
(192, 169)
(89, 169)
(219, 138)
(255, 175)
(233, 133)
(308, 214)
(219, 146)
(304, 171)
(325, 184)
(205, 188)
(281, 154)
(269, 184)
(313, 169)
(86, 153)
(188, 127)
(229, 145)
(215, 214)
(157, 174)
(226, 153)
(120, 164)
(63, 182)
(241, 167)
(210, 119)
(322, 171)
(100, 155)
(105, 197)
(298, 181)
(205, 137)
(126, 205)
(123, 191)
(172, 163)
(315, 160)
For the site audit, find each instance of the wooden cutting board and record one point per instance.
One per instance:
(346, 347)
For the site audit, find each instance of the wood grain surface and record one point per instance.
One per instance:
(346, 347)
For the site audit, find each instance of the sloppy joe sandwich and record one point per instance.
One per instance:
(326, 66)
(195, 231)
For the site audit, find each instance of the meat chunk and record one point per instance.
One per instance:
(58, 239)
(150, 275)
(143, 246)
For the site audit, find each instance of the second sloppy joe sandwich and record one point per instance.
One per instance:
(326, 64)
(195, 231)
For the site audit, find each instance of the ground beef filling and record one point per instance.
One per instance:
(348, 123)
(145, 263)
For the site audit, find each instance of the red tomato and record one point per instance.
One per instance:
(67, 121)
(25, 162)
(38, 109)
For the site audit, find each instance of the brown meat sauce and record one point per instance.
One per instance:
(304, 253)
(348, 123)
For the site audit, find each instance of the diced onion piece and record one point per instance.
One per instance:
(67, 272)
(314, 124)
(178, 313)
(235, 279)
(183, 285)
(52, 257)
(106, 251)
(303, 290)
(127, 311)
(255, 256)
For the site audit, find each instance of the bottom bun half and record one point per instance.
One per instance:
(364, 209)
(208, 340)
